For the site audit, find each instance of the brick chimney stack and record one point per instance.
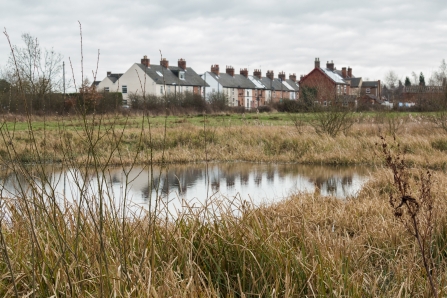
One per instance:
(109, 73)
(257, 73)
(164, 63)
(215, 69)
(343, 72)
(292, 77)
(244, 72)
(330, 65)
(349, 72)
(270, 74)
(230, 70)
(282, 76)
(317, 62)
(182, 63)
(145, 61)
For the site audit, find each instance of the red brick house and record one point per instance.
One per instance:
(327, 84)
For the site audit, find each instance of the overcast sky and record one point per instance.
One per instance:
(371, 37)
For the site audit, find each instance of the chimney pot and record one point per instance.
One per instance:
(317, 62)
(164, 63)
(215, 69)
(145, 61)
(282, 76)
(230, 70)
(182, 63)
(349, 72)
(343, 72)
(109, 73)
(244, 72)
(257, 73)
(292, 77)
(270, 74)
(330, 65)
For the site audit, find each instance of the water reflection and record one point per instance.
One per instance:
(197, 182)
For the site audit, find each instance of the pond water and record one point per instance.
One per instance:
(178, 186)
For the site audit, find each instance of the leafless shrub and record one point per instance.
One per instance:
(333, 120)
(414, 209)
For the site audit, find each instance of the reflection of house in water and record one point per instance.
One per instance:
(331, 184)
(230, 180)
(258, 178)
(244, 178)
(271, 174)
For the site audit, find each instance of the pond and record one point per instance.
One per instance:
(178, 186)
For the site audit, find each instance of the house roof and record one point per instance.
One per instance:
(355, 82)
(228, 81)
(370, 83)
(257, 82)
(338, 79)
(274, 84)
(294, 85)
(169, 76)
(114, 77)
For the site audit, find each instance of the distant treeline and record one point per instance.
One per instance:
(58, 103)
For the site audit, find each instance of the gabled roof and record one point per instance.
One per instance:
(370, 83)
(228, 81)
(294, 85)
(169, 76)
(274, 84)
(338, 79)
(355, 82)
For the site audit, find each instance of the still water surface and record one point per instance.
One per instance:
(194, 184)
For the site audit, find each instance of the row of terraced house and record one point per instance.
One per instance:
(243, 89)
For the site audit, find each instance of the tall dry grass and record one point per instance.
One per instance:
(97, 244)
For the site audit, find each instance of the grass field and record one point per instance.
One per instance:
(304, 246)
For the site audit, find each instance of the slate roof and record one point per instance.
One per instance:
(227, 81)
(355, 82)
(273, 85)
(370, 84)
(114, 77)
(294, 85)
(333, 75)
(169, 76)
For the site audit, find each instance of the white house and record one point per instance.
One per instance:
(144, 78)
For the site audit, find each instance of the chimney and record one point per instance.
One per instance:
(182, 63)
(230, 70)
(330, 65)
(145, 61)
(282, 76)
(349, 72)
(343, 72)
(244, 72)
(257, 73)
(292, 77)
(317, 62)
(301, 77)
(215, 69)
(270, 74)
(109, 73)
(164, 63)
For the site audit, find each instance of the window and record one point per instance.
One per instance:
(187, 89)
(124, 88)
(345, 89)
(325, 103)
(106, 89)
(181, 75)
(368, 90)
(248, 94)
(159, 73)
(345, 103)
(161, 89)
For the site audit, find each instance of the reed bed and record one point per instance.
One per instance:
(305, 246)
(255, 142)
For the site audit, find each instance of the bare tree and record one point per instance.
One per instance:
(391, 79)
(36, 70)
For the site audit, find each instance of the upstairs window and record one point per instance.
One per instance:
(124, 89)
(181, 75)
(106, 89)
(368, 90)
(161, 89)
